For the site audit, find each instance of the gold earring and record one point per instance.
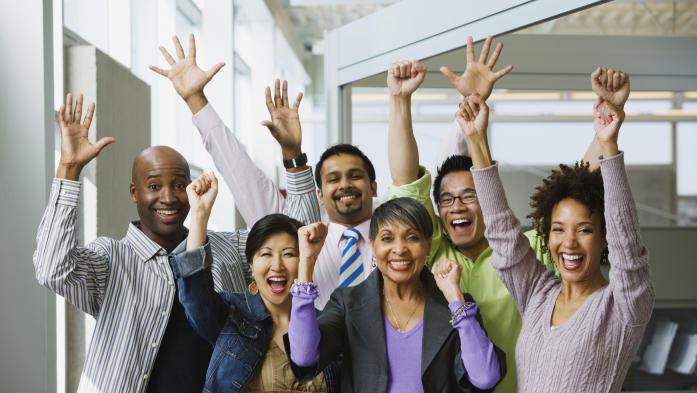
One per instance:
(252, 287)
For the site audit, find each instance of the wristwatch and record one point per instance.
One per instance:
(296, 162)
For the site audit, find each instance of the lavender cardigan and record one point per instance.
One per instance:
(592, 351)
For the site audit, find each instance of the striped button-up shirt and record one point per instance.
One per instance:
(128, 286)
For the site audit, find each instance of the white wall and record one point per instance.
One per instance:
(27, 330)
(123, 112)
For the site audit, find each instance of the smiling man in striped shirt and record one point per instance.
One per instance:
(142, 341)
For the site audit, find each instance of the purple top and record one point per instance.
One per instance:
(404, 358)
(403, 354)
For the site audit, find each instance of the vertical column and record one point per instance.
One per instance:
(217, 44)
(123, 111)
(28, 339)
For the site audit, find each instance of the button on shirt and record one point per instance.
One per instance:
(128, 286)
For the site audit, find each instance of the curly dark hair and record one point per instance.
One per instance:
(575, 182)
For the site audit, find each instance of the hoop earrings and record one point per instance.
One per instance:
(252, 288)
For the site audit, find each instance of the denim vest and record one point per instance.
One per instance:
(242, 345)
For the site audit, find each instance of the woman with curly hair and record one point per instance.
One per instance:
(580, 331)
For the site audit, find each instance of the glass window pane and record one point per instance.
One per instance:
(690, 106)
(542, 107)
(552, 143)
(89, 20)
(647, 107)
(687, 158)
(646, 143)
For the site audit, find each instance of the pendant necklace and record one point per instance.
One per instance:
(394, 315)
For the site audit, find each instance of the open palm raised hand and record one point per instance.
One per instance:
(186, 76)
(479, 76)
(76, 149)
(285, 121)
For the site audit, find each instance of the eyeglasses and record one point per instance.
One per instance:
(466, 198)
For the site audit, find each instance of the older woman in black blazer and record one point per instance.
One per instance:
(402, 329)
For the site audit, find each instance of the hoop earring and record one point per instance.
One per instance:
(252, 288)
(373, 264)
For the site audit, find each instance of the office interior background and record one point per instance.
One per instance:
(336, 52)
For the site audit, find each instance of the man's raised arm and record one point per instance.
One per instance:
(80, 274)
(256, 195)
(403, 78)
(478, 80)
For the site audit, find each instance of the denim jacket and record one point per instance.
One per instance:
(235, 323)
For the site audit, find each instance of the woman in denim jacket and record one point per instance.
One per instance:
(246, 328)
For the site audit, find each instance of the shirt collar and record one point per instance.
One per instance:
(145, 247)
(363, 228)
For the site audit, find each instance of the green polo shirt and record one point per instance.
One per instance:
(501, 318)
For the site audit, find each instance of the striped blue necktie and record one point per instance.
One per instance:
(351, 271)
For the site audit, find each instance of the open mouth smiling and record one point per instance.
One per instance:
(571, 261)
(400, 264)
(460, 224)
(167, 215)
(277, 284)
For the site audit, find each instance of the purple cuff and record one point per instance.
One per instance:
(478, 354)
(461, 309)
(303, 329)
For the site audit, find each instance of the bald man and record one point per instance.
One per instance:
(142, 341)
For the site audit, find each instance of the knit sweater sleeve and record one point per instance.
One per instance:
(630, 280)
(513, 258)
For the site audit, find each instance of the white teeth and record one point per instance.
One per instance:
(572, 257)
(278, 279)
(347, 197)
(400, 263)
(460, 221)
(166, 212)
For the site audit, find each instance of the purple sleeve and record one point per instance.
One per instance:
(476, 349)
(303, 329)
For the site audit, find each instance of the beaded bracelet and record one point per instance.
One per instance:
(303, 288)
(462, 312)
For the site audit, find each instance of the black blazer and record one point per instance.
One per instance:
(352, 328)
